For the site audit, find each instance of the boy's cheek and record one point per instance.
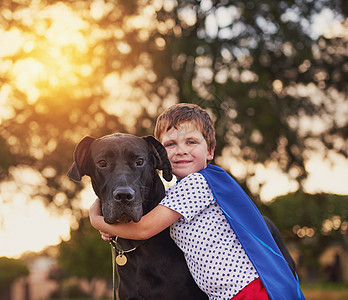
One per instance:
(170, 156)
(169, 152)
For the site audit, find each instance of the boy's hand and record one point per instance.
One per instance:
(105, 236)
(95, 216)
(95, 209)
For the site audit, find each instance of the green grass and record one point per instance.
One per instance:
(328, 291)
(311, 291)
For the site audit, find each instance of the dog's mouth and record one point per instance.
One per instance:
(123, 218)
(119, 212)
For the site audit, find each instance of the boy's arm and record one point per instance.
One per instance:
(151, 224)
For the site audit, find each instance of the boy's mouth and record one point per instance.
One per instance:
(182, 162)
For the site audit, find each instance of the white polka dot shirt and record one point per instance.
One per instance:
(216, 259)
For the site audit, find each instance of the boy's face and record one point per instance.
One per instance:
(187, 149)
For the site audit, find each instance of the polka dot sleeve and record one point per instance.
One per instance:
(189, 196)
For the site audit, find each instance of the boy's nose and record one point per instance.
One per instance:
(180, 150)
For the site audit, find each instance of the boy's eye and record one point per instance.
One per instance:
(169, 144)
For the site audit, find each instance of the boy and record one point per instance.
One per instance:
(227, 246)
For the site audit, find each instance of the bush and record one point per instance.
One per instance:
(12, 269)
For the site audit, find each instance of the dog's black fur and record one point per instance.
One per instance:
(123, 172)
(122, 169)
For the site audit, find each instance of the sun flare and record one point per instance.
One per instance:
(54, 54)
(22, 232)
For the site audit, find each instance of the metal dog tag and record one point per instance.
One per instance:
(121, 259)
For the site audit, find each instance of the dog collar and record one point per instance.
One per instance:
(122, 246)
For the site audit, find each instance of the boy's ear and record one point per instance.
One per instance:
(210, 155)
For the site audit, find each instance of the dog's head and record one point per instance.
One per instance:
(122, 168)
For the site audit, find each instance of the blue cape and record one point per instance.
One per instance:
(252, 232)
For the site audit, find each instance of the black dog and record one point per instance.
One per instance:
(123, 172)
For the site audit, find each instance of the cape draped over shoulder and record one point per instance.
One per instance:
(254, 235)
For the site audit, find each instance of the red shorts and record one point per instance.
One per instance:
(254, 290)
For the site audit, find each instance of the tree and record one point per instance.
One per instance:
(313, 222)
(248, 69)
(85, 256)
(78, 68)
(12, 269)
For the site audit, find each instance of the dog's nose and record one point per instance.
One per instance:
(124, 194)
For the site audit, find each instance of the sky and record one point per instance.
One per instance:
(26, 224)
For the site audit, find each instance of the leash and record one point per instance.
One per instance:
(119, 258)
(114, 272)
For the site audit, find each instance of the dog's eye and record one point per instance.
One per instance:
(102, 164)
(139, 162)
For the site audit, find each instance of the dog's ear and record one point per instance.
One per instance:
(162, 161)
(78, 168)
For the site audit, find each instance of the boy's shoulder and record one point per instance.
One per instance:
(189, 180)
(194, 180)
(191, 184)
(191, 177)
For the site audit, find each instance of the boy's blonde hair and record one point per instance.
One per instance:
(186, 112)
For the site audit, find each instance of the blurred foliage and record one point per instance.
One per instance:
(75, 255)
(84, 256)
(309, 210)
(313, 222)
(76, 68)
(69, 291)
(11, 269)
